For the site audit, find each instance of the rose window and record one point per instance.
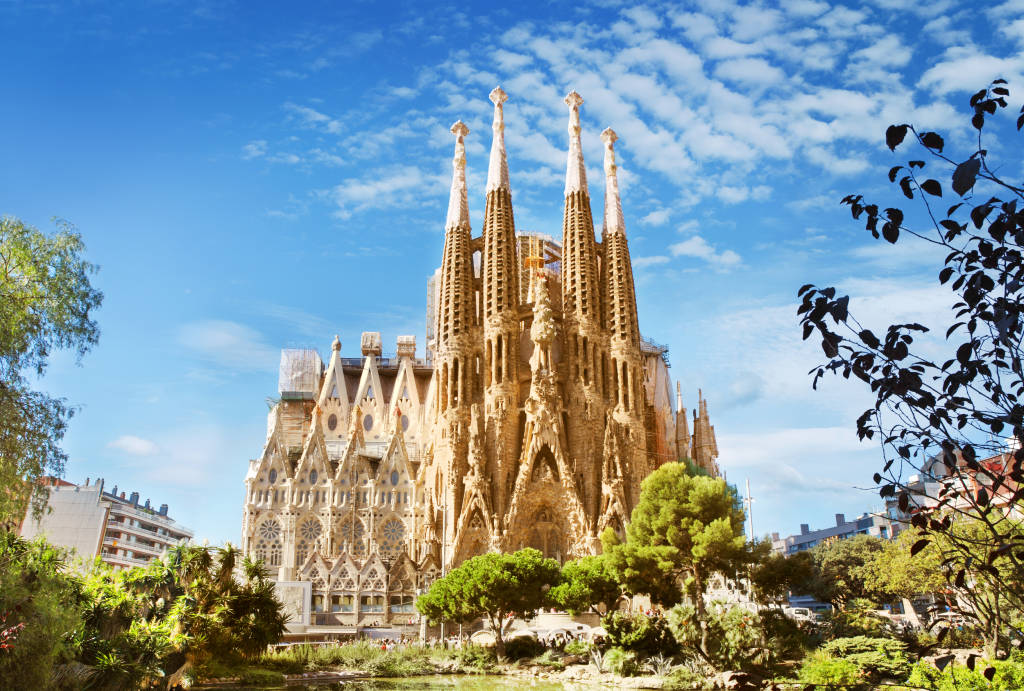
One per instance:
(392, 535)
(310, 530)
(270, 530)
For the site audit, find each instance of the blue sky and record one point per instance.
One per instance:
(250, 177)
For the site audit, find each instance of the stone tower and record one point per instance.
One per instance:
(457, 355)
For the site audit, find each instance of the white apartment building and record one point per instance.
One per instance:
(93, 522)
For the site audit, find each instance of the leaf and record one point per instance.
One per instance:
(908, 191)
(944, 660)
(869, 339)
(945, 274)
(891, 232)
(918, 546)
(894, 135)
(989, 673)
(932, 140)
(965, 175)
(932, 187)
(893, 171)
(915, 164)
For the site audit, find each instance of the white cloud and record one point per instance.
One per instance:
(699, 248)
(644, 262)
(750, 71)
(310, 117)
(134, 446)
(658, 217)
(254, 149)
(233, 346)
(965, 69)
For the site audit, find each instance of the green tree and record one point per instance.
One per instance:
(46, 302)
(774, 576)
(586, 582)
(894, 570)
(684, 529)
(843, 570)
(40, 613)
(494, 586)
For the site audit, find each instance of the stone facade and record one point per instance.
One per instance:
(532, 421)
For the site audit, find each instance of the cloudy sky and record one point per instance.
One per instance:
(252, 176)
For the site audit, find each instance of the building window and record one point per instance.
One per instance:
(367, 422)
(332, 421)
(312, 477)
(394, 477)
(273, 476)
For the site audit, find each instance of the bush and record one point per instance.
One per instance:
(475, 658)
(859, 619)
(643, 635)
(821, 668)
(260, 677)
(523, 647)
(1009, 674)
(550, 659)
(578, 648)
(787, 639)
(621, 662)
(685, 678)
(736, 636)
(877, 658)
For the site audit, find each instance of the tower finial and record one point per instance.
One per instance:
(575, 172)
(458, 203)
(497, 171)
(613, 221)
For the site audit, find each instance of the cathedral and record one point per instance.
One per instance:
(531, 421)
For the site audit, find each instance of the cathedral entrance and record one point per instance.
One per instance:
(546, 536)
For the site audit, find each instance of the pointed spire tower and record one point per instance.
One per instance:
(458, 337)
(705, 446)
(581, 298)
(586, 341)
(500, 305)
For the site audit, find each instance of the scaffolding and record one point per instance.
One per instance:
(299, 374)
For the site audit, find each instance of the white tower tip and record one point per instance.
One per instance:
(575, 171)
(458, 203)
(497, 167)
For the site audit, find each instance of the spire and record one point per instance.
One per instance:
(497, 171)
(458, 204)
(575, 172)
(679, 397)
(613, 221)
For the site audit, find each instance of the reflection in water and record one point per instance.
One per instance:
(459, 683)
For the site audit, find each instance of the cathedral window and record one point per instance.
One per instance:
(392, 537)
(394, 477)
(273, 476)
(332, 422)
(312, 477)
(405, 423)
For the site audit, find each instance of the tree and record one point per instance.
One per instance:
(586, 582)
(683, 530)
(774, 576)
(895, 571)
(843, 570)
(494, 586)
(40, 605)
(46, 302)
(943, 418)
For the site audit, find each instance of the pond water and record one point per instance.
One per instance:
(433, 683)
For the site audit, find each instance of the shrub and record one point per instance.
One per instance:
(523, 647)
(877, 658)
(821, 668)
(578, 648)
(1009, 674)
(475, 658)
(859, 619)
(550, 659)
(260, 677)
(640, 634)
(621, 662)
(736, 636)
(685, 678)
